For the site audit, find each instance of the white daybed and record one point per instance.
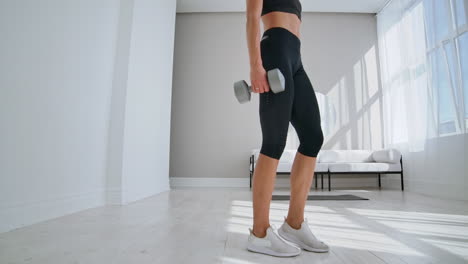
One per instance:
(384, 161)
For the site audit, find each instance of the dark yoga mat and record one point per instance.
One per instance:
(322, 197)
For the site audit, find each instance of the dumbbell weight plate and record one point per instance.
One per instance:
(276, 80)
(242, 91)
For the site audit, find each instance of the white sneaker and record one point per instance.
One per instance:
(272, 244)
(302, 237)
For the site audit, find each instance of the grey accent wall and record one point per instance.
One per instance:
(212, 135)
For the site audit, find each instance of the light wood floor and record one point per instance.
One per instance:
(210, 225)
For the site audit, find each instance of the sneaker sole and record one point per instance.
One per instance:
(300, 244)
(270, 252)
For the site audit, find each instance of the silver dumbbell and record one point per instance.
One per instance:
(275, 80)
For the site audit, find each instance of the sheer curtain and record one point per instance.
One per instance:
(423, 51)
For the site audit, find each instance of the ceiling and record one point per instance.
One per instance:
(347, 6)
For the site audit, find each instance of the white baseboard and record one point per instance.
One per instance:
(119, 196)
(338, 181)
(27, 213)
(114, 196)
(209, 182)
(447, 190)
(389, 181)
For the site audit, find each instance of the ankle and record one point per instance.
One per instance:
(294, 223)
(260, 232)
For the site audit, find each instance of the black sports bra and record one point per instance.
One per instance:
(289, 6)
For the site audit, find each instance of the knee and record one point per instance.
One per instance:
(273, 150)
(312, 144)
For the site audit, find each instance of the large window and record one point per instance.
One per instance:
(462, 44)
(424, 62)
(445, 24)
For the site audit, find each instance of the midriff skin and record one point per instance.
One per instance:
(289, 21)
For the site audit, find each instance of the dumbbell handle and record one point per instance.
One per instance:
(276, 75)
(276, 84)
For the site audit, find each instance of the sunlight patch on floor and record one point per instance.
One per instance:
(455, 247)
(334, 228)
(411, 215)
(419, 223)
(227, 260)
(316, 215)
(445, 231)
(364, 240)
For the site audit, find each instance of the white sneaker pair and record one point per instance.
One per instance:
(286, 242)
(302, 237)
(272, 244)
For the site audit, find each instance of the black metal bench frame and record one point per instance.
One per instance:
(329, 173)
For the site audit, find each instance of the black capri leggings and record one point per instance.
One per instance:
(280, 48)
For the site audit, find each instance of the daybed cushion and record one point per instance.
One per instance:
(387, 155)
(287, 159)
(364, 166)
(255, 152)
(287, 156)
(286, 167)
(345, 156)
(321, 167)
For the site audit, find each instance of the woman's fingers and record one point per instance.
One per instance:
(257, 87)
(266, 86)
(260, 87)
(258, 79)
(254, 87)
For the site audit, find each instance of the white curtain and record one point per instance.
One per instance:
(423, 51)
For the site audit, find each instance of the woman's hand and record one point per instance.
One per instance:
(258, 80)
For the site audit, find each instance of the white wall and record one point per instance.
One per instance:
(55, 87)
(148, 102)
(440, 170)
(138, 164)
(346, 6)
(212, 134)
(85, 92)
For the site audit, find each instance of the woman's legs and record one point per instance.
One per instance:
(302, 174)
(262, 189)
(280, 49)
(305, 118)
(275, 112)
(279, 52)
